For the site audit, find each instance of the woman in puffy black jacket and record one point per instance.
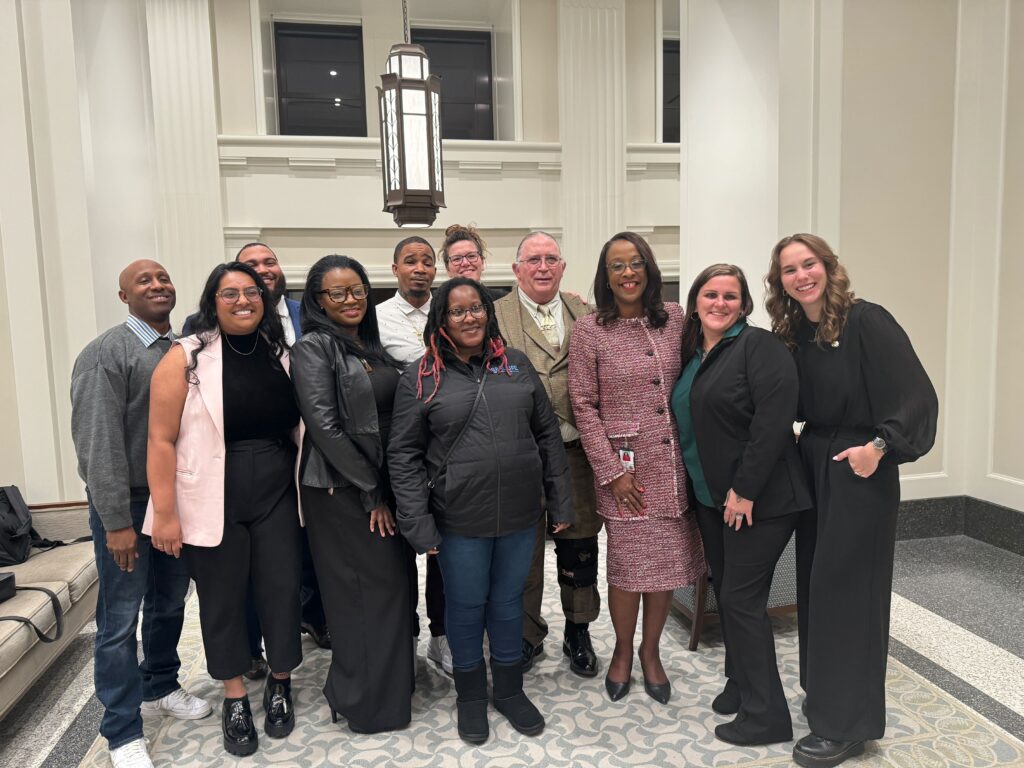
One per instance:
(475, 455)
(345, 386)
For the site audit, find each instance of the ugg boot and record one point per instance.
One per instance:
(471, 701)
(510, 700)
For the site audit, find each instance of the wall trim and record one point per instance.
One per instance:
(993, 524)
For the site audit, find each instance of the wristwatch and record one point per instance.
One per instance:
(880, 445)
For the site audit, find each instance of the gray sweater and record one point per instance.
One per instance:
(110, 419)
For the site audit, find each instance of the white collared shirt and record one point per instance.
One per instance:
(555, 306)
(286, 321)
(401, 327)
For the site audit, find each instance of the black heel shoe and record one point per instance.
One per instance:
(616, 690)
(334, 716)
(660, 692)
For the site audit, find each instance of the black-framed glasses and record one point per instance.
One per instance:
(459, 313)
(618, 267)
(550, 261)
(339, 295)
(231, 295)
(470, 258)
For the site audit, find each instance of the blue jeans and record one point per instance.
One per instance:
(483, 587)
(158, 584)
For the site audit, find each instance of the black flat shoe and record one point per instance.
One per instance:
(240, 737)
(321, 635)
(530, 653)
(742, 735)
(660, 692)
(616, 690)
(277, 702)
(257, 668)
(579, 649)
(728, 701)
(815, 752)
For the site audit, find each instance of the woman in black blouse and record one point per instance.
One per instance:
(345, 384)
(868, 406)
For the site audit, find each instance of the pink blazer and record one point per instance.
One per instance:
(199, 465)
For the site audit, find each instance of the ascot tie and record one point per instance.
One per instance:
(549, 327)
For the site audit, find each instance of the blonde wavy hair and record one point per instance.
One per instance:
(786, 313)
(457, 233)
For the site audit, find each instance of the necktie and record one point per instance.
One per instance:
(548, 327)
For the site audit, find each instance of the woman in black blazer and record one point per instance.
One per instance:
(735, 404)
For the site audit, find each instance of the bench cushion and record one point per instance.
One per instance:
(74, 564)
(16, 638)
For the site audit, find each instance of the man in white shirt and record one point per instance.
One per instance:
(401, 320)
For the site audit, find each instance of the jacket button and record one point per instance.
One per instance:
(655, 382)
(660, 411)
(650, 353)
(667, 441)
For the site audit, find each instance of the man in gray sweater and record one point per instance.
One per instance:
(109, 424)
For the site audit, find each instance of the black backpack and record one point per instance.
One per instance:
(16, 532)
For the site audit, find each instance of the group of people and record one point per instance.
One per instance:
(470, 425)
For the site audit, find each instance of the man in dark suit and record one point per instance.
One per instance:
(261, 258)
(537, 319)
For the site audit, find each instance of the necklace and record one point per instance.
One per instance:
(243, 354)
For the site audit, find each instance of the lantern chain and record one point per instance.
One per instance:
(405, 21)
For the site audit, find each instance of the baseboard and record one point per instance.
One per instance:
(962, 515)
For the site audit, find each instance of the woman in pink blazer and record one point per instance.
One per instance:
(221, 461)
(623, 362)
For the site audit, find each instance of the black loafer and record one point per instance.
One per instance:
(578, 647)
(530, 653)
(616, 690)
(728, 701)
(277, 702)
(321, 635)
(815, 752)
(240, 737)
(257, 668)
(744, 735)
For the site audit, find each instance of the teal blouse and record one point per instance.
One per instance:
(684, 419)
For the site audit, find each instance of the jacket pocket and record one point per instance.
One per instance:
(622, 430)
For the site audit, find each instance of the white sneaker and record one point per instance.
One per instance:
(439, 652)
(179, 704)
(131, 755)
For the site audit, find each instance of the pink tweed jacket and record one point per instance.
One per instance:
(620, 382)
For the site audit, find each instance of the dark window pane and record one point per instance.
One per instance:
(311, 100)
(463, 60)
(670, 91)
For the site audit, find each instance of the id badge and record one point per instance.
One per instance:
(628, 458)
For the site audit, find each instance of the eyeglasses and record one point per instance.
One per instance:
(470, 258)
(231, 295)
(339, 295)
(459, 314)
(549, 261)
(618, 267)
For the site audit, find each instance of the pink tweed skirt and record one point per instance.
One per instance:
(654, 555)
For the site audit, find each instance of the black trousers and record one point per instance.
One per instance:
(435, 597)
(850, 592)
(742, 565)
(365, 586)
(261, 543)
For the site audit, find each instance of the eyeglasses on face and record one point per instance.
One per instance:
(231, 295)
(470, 258)
(458, 314)
(618, 267)
(339, 295)
(534, 262)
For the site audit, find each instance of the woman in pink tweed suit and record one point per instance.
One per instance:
(623, 362)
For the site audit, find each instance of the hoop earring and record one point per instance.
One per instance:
(693, 316)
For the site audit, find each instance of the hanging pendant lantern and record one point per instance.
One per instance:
(410, 137)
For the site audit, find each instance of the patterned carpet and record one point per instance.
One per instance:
(927, 728)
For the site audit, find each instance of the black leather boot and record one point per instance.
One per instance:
(579, 649)
(277, 702)
(815, 752)
(240, 737)
(471, 703)
(510, 700)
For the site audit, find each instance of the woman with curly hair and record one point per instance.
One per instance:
(623, 361)
(464, 253)
(475, 449)
(221, 466)
(868, 406)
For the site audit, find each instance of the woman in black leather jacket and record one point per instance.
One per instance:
(475, 454)
(345, 384)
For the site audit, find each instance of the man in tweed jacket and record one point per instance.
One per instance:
(537, 319)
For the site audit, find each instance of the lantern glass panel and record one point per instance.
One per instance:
(417, 158)
(435, 107)
(413, 102)
(393, 65)
(411, 67)
(390, 138)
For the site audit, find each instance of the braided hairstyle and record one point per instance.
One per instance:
(438, 343)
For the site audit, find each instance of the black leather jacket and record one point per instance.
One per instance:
(341, 446)
(509, 461)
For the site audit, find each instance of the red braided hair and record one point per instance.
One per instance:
(496, 351)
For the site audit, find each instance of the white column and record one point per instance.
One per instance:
(189, 222)
(592, 121)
